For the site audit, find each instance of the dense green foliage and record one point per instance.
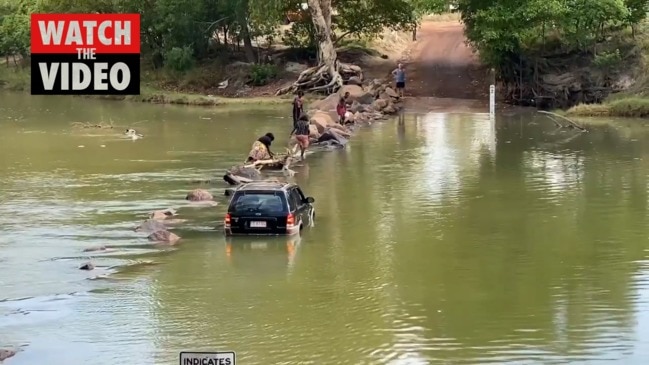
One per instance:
(502, 28)
(171, 28)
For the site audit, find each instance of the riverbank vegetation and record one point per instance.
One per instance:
(557, 53)
(230, 48)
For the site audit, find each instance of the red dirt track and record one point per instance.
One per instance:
(443, 66)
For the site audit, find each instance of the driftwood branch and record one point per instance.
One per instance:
(570, 122)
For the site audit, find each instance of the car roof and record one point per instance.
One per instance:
(264, 185)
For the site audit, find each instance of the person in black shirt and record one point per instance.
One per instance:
(298, 107)
(301, 130)
(261, 148)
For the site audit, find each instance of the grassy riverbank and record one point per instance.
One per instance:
(199, 85)
(634, 101)
(17, 79)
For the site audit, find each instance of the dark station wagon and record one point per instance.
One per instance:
(261, 208)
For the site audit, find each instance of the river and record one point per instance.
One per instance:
(435, 241)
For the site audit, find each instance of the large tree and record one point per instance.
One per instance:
(358, 17)
(327, 75)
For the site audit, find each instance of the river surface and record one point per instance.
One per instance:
(435, 241)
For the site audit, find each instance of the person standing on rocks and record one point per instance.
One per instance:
(298, 107)
(341, 110)
(301, 131)
(400, 77)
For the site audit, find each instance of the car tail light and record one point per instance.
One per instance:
(226, 222)
(290, 221)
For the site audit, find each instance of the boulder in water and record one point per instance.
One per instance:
(163, 214)
(87, 266)
(332, 136)
(150, 225)
(164, 237)
(6, 353)
(199, 195)
(245, 172)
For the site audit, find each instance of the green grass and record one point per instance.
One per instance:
(18, 79)
(632, 107)
(633, 102)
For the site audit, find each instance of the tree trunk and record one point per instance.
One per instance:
(321, 15)
(325, 6)
(247, 43)
(329, 74)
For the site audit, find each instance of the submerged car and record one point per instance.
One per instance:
(268, 208)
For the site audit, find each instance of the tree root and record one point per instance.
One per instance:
(322, 78)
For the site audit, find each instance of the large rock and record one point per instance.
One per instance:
(341, 130)
(379, 104)
(199, 195)
(6, 353)
(385, 96)
(150, 225)
(391, 92)
(355, 80)
(357, 107)
(359, 118)
(163, 214)
(245, 172)
(313, 131)
(332, 135)
(356, 93)
(322, 120)
(164, 237)
(88, 266)
(390, 109)
(326, 104)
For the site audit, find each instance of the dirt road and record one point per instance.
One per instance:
(442, 66)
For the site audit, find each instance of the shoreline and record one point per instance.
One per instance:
(628, 106)
(154, 95)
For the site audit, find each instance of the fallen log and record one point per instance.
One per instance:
(570, 122)
(235, 180)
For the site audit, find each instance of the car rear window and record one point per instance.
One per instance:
(257, 202)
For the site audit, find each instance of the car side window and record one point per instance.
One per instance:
(301, 195)
(292, 204)
(295, 197)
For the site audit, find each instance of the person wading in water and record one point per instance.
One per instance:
(261, 148)
(298, 107)
(301, 131)
(400, 77)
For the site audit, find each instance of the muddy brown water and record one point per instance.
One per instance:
(435, 242)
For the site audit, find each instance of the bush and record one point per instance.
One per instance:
(262, 74)
(180, 59)
(300, 35)
(606, 60)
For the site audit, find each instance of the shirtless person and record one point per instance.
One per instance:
(298, 107)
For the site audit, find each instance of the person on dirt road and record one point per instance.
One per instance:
(301, 131)
(400, 78)
(298, 107)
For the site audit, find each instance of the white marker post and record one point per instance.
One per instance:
(492, 102)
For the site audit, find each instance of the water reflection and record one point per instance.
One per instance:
(256, 252)
(434, 241)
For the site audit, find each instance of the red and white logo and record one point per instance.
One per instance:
(91, 54)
